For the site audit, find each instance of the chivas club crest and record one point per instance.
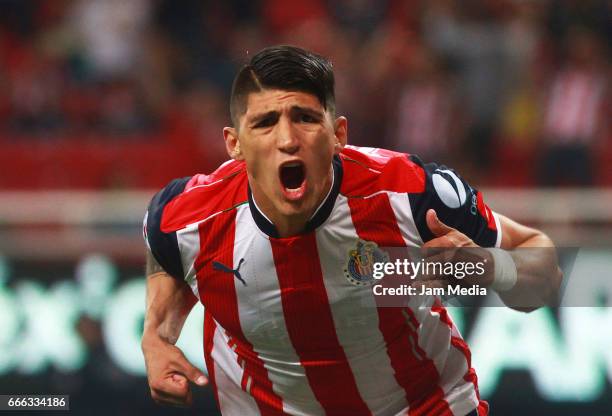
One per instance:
(359, 268)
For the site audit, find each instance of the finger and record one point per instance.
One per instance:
(437, 227)
(439, 243)
(164, 398)
(167, 399)
(175, 391)
(185, 397)
(191, 372)
(174, 385)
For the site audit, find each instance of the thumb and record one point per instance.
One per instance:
(437, 227)
(192, 372)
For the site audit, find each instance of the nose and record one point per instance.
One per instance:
(288, 140)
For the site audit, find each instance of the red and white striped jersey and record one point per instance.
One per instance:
(574, 108)
(285, 331)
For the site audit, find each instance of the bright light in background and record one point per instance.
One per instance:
(96, 275)
(567, 359)
(8, 321)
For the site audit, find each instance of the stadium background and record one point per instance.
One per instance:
(104, 101)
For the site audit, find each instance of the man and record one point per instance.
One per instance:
(263, 243)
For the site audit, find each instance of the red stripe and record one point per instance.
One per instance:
(311, 327)
(460, 344)
(218, 294)
(485, 211)
(435, 404)
(209, 333)
(225, 170)
(384, 170)
(202, 199)
(374, 220)
(483, 408)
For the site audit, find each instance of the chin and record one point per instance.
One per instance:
(292, 208)
(301, 206)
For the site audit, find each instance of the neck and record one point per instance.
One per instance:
(290, 226)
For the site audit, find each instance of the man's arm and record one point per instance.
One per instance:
(538, 274)
(168, 304)
(533, 253)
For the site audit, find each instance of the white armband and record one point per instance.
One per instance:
(505, 275)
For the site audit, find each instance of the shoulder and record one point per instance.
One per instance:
(368, 170)
(193, 199)
(186, 201)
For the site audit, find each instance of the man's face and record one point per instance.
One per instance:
(287, 140)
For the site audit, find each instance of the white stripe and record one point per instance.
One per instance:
(205, 185)
(434, 338)
(551, 108)
(455, 368)
(462, 399)
(403, 214)
(144, 230)
(262, 319)
(450, 362)
(416, 354)
(572, 103)
(573, 107)
(228, 375)
(188, 240)
(355, 316)
(498, 240)
(591, 111)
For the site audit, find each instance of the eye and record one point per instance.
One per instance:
(265, 122)
(307, 118)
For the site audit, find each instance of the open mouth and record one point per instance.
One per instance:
(293, 179)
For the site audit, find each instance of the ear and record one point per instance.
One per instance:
(232, 143)
(340, 133)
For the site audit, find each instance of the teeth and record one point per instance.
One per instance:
(292, 164)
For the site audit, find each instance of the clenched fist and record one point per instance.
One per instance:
(169, 372)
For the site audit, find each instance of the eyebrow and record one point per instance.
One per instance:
(262, 116)
(308, 110)
(256, 118)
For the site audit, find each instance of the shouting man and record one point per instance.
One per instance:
(263, 244)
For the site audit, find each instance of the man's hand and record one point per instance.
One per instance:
(451, 245)
(445, 236)
(533, 253)
(169, 301)
(169, 372)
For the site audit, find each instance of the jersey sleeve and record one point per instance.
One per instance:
(164, 246)
(457, 204)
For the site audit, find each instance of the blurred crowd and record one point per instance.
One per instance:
(506, 91)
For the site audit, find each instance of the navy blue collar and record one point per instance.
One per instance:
(321, 214)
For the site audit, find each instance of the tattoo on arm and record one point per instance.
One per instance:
(152, 266)
(168, 302)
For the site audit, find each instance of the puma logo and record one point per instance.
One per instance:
(223, 268)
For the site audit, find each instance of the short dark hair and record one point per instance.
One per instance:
(285, 68)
